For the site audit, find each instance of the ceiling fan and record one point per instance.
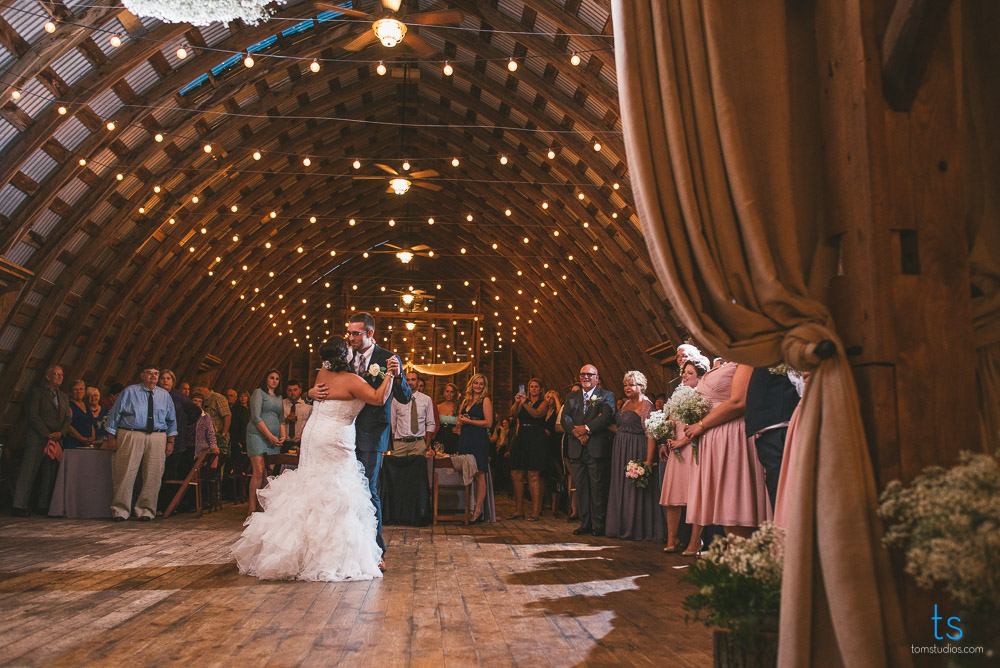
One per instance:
(406, 253)
(400, 183)
(388, 24)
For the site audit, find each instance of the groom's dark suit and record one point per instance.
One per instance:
(591, 461)
(372, 428)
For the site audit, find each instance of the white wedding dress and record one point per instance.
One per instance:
(318, 521)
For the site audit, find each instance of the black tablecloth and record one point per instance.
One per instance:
(403, 489)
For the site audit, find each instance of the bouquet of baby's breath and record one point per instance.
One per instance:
(660, 427)
(739, 583)
(686, 405)
(948, 523)
(782, 369)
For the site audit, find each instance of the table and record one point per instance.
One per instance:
(454, 500)
(83, 485)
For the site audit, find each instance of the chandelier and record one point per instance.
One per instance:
(399, 185)
(204, 12)
(404, 257)
(389, 31)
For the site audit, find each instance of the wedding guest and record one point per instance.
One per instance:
(412, 423)
(100, 415)
(771, 400)
(82, 427)
(204, 429)
(185, 389)
(530, 450)
(500, 455)
(142, 427)
(266, 430)
(47, 417)
(681, 467)
(296, 412)
(661, 399)
(475, 418)
(633, 512)
(553, 478)
(114, 389)
(179, 462)
(570, 485)
(587, 414)
(437, 417)
(238, 407)
(448, 414)
(717, 362)
(218, 409)
(685, 351)
(729, 489)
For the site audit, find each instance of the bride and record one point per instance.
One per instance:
(318, 521)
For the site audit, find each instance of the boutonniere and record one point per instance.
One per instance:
(376, 372)
(592, 401)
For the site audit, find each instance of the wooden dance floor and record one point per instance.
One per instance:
(87, 592)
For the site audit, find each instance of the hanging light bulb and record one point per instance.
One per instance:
(207, 148)
(454, 162)
(597, 146)
(616, 186)
(50, 27)
(273, 214)
(406, 165)
(248, 62)
(234, 208)
(111, 125)
(119, 176)
(115, 41)
(381, 69)
(314, 65)
(503, 160)
(512, 65)
(574, 59)
(551, 154)
(545, 205)
(306, 161)
(357, 164)
(448, 69)
(62, 110)
(158, 137)
(430, 221)
(156, 189)
(15, 94)
(256, 155)
(83, 162)
(182, 53)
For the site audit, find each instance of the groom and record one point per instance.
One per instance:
(372, 423)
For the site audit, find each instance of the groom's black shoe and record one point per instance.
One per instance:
(598, 531)
(582, 531)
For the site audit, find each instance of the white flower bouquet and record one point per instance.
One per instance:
(947, 522)
(686, 405)
(660, 427)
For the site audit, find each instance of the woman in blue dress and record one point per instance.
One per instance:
(475, 418)
(266, 431)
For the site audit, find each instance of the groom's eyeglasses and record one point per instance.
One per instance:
(361, 333)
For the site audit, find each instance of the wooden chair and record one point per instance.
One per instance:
(211, 478)
(193, 479)
(436, 487)
(284, 459)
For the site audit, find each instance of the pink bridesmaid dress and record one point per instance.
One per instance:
(681, 468)
(729, 488)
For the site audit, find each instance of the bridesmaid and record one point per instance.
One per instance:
(634, 513)
(475, 417)
(266, 431)
(729, 489)
(681, 467)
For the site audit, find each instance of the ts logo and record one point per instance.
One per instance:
(952, 624)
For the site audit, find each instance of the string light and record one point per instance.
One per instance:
(551, 154)
(115, 41)
(503, 160)
(207, 148)
(62, 110)
(314, 65)
(545, 205)
(83, 162)
(119, 176)
(512, 65)
(312, 219)
(454, 162)
(357, 164)
(15, 94)
(574, 60)
(234, 208)
(406, 165)
(507, 212)
(158, 137)
(430, 221)
(381, 69)
(256, 155)
(182, 53)
(448, 69)
(50, 27)
(597, 146)
(110, 126)
(274, 214)
(248, 62)
(306, 161)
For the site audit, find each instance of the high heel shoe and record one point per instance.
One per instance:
(689, 553)
(676, 547)
(480, 518)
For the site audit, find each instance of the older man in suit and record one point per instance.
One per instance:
(47, 413)
(586, 417)
(372, 424)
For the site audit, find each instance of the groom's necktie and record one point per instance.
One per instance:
(359, 359)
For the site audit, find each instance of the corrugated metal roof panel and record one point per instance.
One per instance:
(76, 242)
(44, 347)
(20, 253)
(82, 283)
(78, 6)
(169, 51)
(133, 136)
(51, 272)
(102, 212)
(215, 33)
(594, 15)
(71, 66)
(71, 133)
(46, 222)
(35, 97)
(103, 161)
(7, 133)
(39, 166)
(10, 199)
(26, 17)
(149, 22)
(11, 335)
(107, 104)
(6, 57)
(73, 190)
(142, 77)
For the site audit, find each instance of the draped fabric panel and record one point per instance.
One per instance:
(444, 369)
(722, 165)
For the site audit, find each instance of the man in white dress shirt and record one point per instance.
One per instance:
(296, 412)
(413, 424)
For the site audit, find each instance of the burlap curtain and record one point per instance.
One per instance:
(715, 98)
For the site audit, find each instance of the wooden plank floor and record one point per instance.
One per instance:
(93, 593)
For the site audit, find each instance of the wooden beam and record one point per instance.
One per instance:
(907, 46)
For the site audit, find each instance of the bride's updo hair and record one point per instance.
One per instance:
(334, 351)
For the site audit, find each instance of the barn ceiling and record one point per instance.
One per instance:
(164, 208)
